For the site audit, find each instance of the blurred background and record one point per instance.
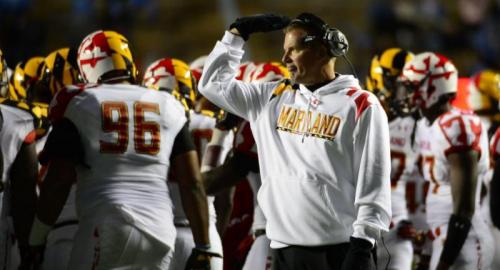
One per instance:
(467, 31)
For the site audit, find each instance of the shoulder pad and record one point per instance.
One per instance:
(362, 99)
(462, 131)
(39, 112)
(61, 100)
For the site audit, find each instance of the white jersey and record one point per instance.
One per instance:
(127, 133)
(451, 132)
(324, 156)
(403, 164)
(17, 129)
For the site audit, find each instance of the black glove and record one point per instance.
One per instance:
(358, 256)
(259, 23)
(227, 121)
(200, 259)
(31, 257)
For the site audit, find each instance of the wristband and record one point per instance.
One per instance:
(204, 247)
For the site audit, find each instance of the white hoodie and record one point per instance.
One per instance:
(324, 156)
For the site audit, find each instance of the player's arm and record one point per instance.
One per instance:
(230, 173)
(187, 170)
(23, 186)
(194, 200)
(463, 177)
(62, 152)
(223, 205)
(218, 83)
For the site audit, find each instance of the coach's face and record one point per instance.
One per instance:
(304, 61)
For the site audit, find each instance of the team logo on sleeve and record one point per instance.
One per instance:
(311, 123)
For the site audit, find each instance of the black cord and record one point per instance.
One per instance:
(388, 253)
(351, 66)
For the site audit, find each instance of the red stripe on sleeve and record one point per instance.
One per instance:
(351, 92)
(362, 103)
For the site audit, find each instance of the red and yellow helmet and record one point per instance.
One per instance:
(484, 92)
(59, 69)
(24, 78)
(245, 71)
(171, 75)
(269, 72)
(197, 67)
(104, 57)
(374, 78)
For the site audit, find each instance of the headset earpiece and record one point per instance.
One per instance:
(336, 41)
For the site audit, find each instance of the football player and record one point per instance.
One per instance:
(384, 72)
(174, 76)
(19, 174)
(494, 199)
(453, 145)
(58, 69)
(22, 122)
(118, 140)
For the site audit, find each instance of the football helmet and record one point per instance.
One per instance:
(171, 75)
(382, 80)
(58, 69)
(430, 76)
(197, 67)
(374, 78)
(245, 71)
(105, 57)
(4, 76)
(269, 72)
(488, 83)
(24, 78)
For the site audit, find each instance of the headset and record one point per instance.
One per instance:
(334, 39)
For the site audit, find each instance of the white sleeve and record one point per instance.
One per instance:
(372, 162)
(216, 149)
(218, 83)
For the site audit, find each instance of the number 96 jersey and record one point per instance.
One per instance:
(454, 131)
(127, 134)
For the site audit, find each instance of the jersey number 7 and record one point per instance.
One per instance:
(115, 118)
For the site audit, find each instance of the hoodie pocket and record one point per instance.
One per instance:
(295, 206)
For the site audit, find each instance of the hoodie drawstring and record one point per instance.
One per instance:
(308, 121)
